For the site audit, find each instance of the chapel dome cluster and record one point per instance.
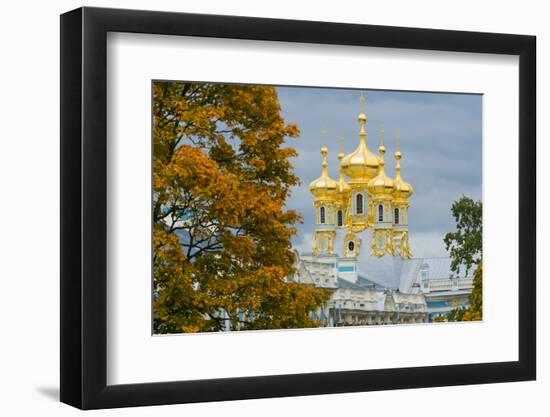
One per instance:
(363, 197)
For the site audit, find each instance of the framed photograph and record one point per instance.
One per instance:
(259, 208)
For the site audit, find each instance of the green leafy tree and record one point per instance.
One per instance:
(221, 238)
(466, 248)
(465, 244)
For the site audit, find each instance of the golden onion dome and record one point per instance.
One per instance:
(361, 164)
(403, 189)
(381, 184)
(324, 186)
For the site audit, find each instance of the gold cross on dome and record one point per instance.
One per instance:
(324, 133)
(362, 102)
(397, 140)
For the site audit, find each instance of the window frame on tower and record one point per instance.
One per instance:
(322, 215)
(340, 218)
(396, 215)
(380, 213)
(359, 197)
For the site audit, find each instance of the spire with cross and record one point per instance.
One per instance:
(362, 103)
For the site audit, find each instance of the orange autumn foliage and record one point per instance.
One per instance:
(221, 239)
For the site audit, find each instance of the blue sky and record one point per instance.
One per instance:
(441, 142)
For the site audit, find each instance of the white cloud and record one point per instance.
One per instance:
(427, 245)
(303, 243)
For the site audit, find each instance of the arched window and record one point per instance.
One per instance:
(322, 215)
(380, 213)
(340, 218)
(359, 204)
(396, 215)
(351, 245)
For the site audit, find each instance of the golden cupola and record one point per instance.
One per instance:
(324, 186)
(403, 190)
(381, 184)
(361, 165)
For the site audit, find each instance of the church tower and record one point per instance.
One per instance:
(403, 191)
(381, 189)
(325, 192)
(360, 167)
(363, 197)
(352, 243)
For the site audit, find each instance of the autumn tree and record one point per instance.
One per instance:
(466, 249)
(221, 238)
(475, 310)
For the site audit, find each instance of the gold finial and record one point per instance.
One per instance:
(397, 155)
(397, 151)
(341, 140)
(324, 165)
(362, 118)
(324, 150)
(403, 189)
(382, 148)
(343, 186)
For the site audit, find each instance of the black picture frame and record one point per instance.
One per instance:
(84, 207)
